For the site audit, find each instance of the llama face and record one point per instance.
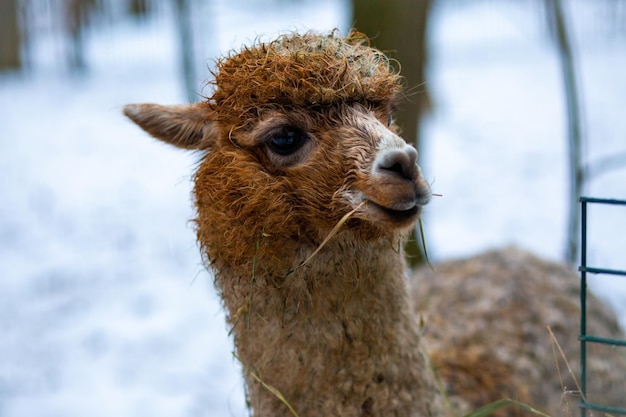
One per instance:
(297, 134)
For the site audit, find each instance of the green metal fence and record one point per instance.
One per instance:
(584, 337)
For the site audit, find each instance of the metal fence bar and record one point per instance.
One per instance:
(600, 407)
(603, 340)
(601, 270)
(603, 200)
(584, 337)
(583, 308)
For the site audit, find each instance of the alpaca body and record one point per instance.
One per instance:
(486, 320)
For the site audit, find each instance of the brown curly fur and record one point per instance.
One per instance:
(301, 72)
(338, 336)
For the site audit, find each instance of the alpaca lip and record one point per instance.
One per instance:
(400, 215)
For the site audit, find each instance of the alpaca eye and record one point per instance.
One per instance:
(287, 141)
(390, 120)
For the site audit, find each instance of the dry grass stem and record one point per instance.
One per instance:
(491, 408)
(423, 237)
(569, 368)
(274, 392)
(333, 232)
(267, 386)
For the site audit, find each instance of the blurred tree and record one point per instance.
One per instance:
(559, 29)
(185, 34)
(77, 14)
(10, 40)
(139, 8)
(398, 28)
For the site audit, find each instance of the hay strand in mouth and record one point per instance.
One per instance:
(333, 232)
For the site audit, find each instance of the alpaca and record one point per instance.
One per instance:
(304, 195)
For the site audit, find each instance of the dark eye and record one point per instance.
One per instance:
(390, 120)
(287, 141)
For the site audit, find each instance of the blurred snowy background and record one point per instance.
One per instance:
(105, 308)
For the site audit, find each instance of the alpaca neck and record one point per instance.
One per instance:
(335, 337)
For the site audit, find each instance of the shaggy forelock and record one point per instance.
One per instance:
(300, 71)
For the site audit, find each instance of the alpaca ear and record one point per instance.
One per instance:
(187, 127)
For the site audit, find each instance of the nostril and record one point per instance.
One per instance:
(397, 168)
(399, 162)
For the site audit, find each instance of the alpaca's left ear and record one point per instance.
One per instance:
(187, 127)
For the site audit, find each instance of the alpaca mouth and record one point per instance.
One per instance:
(397, 215)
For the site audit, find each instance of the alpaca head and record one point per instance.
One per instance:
(297, 134)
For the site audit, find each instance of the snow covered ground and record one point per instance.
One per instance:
(105, 308)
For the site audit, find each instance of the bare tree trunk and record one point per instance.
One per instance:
(398, 28)
(186, 47)
(10, 39)
(139, 8)
(77, 14)
(558, 25)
